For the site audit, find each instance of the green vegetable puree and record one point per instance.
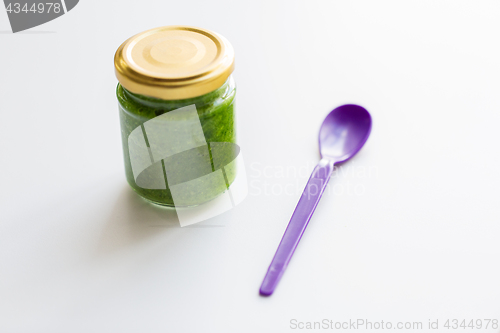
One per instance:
(217, 117)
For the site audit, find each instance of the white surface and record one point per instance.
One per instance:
(414, 235)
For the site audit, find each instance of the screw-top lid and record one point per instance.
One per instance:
(174, 62)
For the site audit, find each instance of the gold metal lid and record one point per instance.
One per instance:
(174, 62)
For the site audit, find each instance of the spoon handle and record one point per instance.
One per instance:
(297, 225)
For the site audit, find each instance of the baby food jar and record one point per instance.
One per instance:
(176, 103)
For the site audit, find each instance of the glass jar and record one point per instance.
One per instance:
(176, 102)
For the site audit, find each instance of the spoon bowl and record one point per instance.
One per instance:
(343, 132)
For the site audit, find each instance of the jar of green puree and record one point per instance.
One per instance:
(176, 99)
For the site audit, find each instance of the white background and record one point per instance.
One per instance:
(409, 230)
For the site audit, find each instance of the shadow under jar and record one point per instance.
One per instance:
(176, 100)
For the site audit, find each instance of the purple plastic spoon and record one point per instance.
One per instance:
(343, 133)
